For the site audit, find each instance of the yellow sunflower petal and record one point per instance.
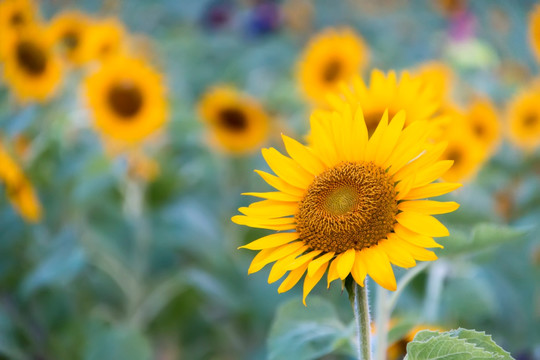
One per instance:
(320, 261)
(417, 252)
(422, 224)
(345, 263)
(428, 207)
(410, 144)
(390, 138)
(287, 169)
(415, 238)
(270, 209)
(427, 158)
(312, 280)
(274, 195)
(325, 147)
(279, 269)
(267, 256)
(432, 172)
(404, 186)
(379, 268)
(332, 273)
(359, 270)
(257, 222)
(303, 156)
(271, 241)
(304, 259)
(376, 139)
(431, 190)
(292, 279)
(360, 135)
(395, 253)
(281, 185)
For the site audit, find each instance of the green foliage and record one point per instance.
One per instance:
(460, 344)
(304, 333)
(118, 343)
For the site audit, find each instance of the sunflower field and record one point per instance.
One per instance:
(269, 179)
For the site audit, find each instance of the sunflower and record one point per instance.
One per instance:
(350, 203)
(483, 121)
(464, 148)
(31, 68)
(104, 39)
(19, 190)
(534, 31)
(15, 15)
(523, 114)
(410, 93)
(237, 122)
(127, 99)
(333, 56)
(69, 31)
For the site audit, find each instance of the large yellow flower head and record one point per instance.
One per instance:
(534, 31)
(237, 122)
(412, 94)
(523, 114)
(127, 99)
(70, 32)
(350, 203)
(31, 69)
(19, 190)
(332, 57)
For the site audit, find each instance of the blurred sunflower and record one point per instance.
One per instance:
(534, 31)
(331, 57)
(15, 15)
(237, 122)
(353, 202)
(410, 94)
(31, 69)
(104, 39)
(439, 77)
(18, 189)
(483, 120)
(523, 114)
(464, 148)
(69, 31)
(127, 99)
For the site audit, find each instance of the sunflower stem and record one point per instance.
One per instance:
(360, 305)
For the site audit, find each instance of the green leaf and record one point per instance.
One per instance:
(303, 333)
(460, 344)
(483, 237)
(118, 343)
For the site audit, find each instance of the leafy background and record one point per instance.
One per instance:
(97, 280)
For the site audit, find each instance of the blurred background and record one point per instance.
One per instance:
(118, 244)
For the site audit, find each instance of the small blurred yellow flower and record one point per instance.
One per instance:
(385, 92)
(69, 31)
(31, 69)
(237, 122)
(15, 15)
(18, 189)
(482, 117)
(523, 116)
(464, 148)
(142, 166)
(332, 57)
(127, 99)
(104, 39)
(350, 203)
(534, 31)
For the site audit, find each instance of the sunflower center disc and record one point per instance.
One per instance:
(530, 120)
(332, 71)
(233, 120)
(125, 99)
(31, 58)
(350, 206)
